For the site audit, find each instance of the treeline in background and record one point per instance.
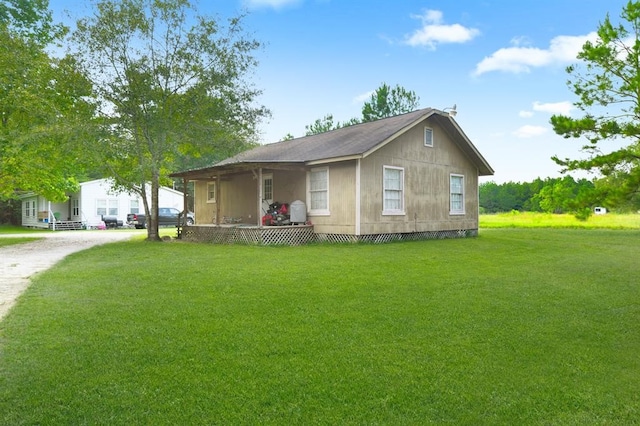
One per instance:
(550, 195)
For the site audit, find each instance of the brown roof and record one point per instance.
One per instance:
(353, 141)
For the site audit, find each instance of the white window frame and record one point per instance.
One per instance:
(428, 131)
(386, 211)
(110, 206)
(211, 192)
(113, 207)
(27, 210)
(75, 207)
(453, 210)
(101, 204)
(324, 211)
(267, 187)
(134, 206)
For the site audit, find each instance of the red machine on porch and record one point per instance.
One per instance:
(277, 214)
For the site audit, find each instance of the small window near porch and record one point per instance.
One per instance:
(211, 192)
(318, 191)
(27, 209)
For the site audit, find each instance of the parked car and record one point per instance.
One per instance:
(167, 216)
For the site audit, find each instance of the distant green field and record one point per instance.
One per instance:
(547, 220)
(514, 327)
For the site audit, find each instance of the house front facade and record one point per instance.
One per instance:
(413, 175)
(87, 207)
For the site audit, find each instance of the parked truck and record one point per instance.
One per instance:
(167, 216)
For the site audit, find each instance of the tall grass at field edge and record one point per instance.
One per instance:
(516, 219)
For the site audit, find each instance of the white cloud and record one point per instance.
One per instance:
(434, 32)
(563, 108)
(529, 131)
(363, 97)
(517, 59)
(274, 4)
(525, 114)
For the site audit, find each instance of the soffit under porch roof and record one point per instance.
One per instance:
(213, 172)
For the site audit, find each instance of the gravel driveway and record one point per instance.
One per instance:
(19, 262)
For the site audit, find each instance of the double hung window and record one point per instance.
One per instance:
(211, 192)
(456, 194)
(318, 191)
(393, 191)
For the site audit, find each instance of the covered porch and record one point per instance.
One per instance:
(235, 205)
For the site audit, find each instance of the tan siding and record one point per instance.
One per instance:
(342, 182)
(289, 186)
(205, 212)
(426, 178)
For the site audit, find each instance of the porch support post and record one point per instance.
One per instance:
(217, 189)
(185, 203)
(260, 197)
(52, 218)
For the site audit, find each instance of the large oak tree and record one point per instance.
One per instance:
(173, 86)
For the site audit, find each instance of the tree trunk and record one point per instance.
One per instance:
(152, 219)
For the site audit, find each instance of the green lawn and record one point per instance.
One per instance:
(16, 240)
(11, 229)
(517, 326)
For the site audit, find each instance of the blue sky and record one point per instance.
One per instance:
(502, 62)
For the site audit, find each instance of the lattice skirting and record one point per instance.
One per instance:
(298, 235)
(275, 235)
(387, 238)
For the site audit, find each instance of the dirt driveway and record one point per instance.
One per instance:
(19, 262)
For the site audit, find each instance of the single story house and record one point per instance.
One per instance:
(87, 207)
(409, 176)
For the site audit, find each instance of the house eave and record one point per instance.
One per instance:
(334, 160)
(212, 172)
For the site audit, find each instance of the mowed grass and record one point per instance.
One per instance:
(517, 326)
(16, 240)
(12, 229)
(30, 235)
(517, 219)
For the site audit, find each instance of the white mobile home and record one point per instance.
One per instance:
(87, 207)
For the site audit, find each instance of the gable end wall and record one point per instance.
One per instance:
(426, 179)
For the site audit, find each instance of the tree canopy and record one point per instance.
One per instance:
(384, 102)
(607, 84)
(172, 86)
(387, 101)
(45, 105)
(30, 20)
